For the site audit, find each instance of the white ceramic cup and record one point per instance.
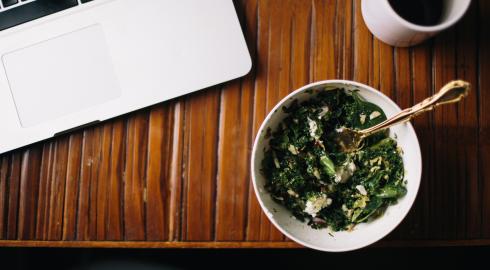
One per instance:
(389, 27)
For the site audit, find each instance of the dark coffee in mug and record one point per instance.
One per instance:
(421, 12)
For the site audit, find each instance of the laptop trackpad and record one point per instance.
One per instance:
(61, 76)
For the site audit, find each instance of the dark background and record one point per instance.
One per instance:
(147, 259)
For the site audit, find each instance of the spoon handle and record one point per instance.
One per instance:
(452, 92)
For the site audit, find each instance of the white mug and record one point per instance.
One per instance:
(391, 28)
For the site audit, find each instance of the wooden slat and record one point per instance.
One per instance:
(384, 67)
(234, 190)
(422, 88)
(159, 172)
(278, 52)
(466, 62)
(402, 93)
(102, 183)
(177, 174)
(156, 175)
(14, 193)
(86, 210)
(176, 177)
(114, 221)
(201, 121)
(258, 227)
(56, 193)
(4, 192)
(135, 192)
(345, 19)
(72, 186)
(29, 188)
(363, 44)
(449, 219)
(300, 44)
(484, 112)
(403, 84)
(323, 65)
(286, 68)
(42, 198)
(233, 174)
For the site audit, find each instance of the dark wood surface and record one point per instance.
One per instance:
(176, 174)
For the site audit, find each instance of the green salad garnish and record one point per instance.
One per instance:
(307, 172)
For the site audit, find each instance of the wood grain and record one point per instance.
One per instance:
(483, 68)
(176, 175)
(72, 186)
(29, 187)
(466, 61)
(422, 81)
(200, 163)
(135, 192)
(258, 227)
(13, 195)
(3, 196)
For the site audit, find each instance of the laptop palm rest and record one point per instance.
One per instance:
(49, 81)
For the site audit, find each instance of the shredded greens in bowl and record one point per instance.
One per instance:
(306, 171)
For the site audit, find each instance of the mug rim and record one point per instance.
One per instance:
(432, 28)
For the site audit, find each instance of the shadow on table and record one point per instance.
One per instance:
(149, 259)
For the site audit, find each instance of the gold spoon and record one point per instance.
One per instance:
(350, 139)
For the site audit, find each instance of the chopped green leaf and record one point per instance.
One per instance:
(307, 173)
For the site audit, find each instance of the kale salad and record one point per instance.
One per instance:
(307, 172)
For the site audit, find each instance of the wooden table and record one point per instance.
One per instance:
(176, 174)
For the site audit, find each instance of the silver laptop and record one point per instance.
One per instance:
(67, 63)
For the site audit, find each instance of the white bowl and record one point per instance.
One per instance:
(363, 234)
